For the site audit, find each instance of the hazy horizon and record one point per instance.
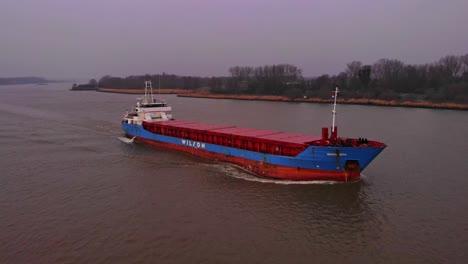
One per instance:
(88, 39)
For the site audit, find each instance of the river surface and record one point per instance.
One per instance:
(71, 192)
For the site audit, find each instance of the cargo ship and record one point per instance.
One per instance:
(265, 153)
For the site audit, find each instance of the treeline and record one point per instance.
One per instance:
(166, 81)
(445, 80)
(269, 79)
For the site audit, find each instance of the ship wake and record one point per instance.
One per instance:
(126, 140)
(239, 173)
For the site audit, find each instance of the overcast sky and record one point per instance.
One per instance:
(91, 38)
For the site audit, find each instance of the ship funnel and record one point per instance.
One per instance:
(324, 133)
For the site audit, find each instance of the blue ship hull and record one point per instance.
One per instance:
(337, 163)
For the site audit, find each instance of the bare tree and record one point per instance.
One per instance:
(464, 62)
(451, 65)
(352, 69)
(364, 74)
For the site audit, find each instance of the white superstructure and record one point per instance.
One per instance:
(148, 109)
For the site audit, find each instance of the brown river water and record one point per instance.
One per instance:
(72, 192)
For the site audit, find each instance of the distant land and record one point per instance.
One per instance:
(24, 80)
(84, 87)
(442, 84)
(442, 81)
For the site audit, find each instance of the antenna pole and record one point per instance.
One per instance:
(334, 110)
(152, 98)
(159, 86)
(145, 99)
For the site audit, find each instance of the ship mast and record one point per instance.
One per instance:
(334, 109)
(148, 94)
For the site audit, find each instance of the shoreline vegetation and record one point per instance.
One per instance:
(442, 84)
(355, 101)
(361, 101)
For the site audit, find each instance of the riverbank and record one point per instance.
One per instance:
(142, 91)
(376, 102)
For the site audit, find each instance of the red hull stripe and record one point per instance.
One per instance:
(263, 169)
